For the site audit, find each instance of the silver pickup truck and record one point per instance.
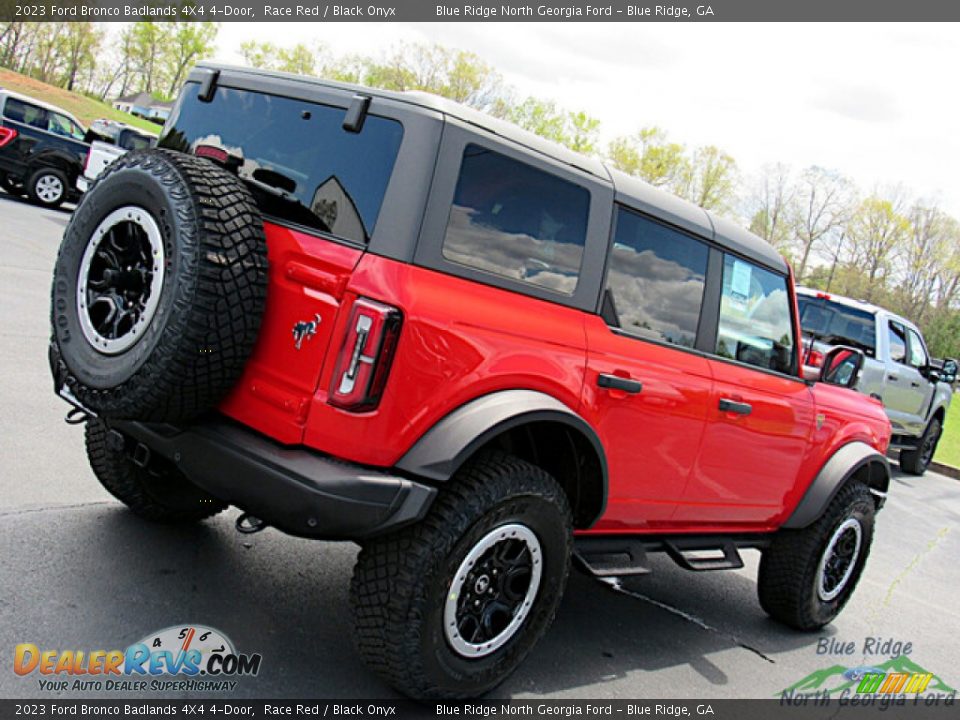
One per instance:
(897, 369)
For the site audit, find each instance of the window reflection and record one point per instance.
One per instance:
(657, 278)
(516, 221)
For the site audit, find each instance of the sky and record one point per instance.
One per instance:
(877, 102)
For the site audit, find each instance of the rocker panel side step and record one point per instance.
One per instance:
(608, 556)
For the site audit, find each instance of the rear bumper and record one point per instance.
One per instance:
(295, 490)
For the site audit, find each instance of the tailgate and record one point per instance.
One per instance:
(307, 279)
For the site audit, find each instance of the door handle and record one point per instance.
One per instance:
(914, 384)
(615, 382)
(893, 378)
(740, 408)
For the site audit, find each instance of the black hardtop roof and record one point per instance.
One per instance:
(630, 190)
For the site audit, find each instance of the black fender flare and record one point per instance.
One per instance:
(841, 466)
(440, 452)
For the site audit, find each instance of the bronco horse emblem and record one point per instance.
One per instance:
(305, 329)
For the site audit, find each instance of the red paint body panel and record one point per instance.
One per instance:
(676, 462)
(652, 437)
(308, 276)
(460, 340)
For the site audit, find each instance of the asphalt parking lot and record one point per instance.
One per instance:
(79, 572)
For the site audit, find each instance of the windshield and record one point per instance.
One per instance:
(837, 324)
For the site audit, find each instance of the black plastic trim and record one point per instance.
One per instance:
(447, 445)
(294, 489)
(835, 472)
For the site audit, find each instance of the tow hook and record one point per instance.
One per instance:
(248, 524)
(76, 416)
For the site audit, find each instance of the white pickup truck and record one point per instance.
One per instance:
(897, 369)
(117, 141)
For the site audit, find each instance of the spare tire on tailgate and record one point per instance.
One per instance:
(158, 289)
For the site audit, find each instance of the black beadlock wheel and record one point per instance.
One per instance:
(159, 288)
(807, 576)
(449, 607)
(916, 462)
(157, 492)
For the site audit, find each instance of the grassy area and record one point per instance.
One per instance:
(948, 451)
(85, 109)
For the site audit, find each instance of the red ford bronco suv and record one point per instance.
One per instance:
(385, 318)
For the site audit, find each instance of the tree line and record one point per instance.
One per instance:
(886, 246)
(152, 57)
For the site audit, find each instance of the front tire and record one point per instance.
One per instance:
(48, 187)
(807, 576)
(157, 492)
(449, 607)
(916, 462)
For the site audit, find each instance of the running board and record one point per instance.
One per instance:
(609, 556)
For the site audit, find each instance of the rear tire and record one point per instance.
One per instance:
(48, 187)
(807, 576)
(158, 492)
(916, 462)
(435, 615)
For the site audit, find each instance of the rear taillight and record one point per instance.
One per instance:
(815, 358)
(86, 163)
(366, 355)
(6, 135)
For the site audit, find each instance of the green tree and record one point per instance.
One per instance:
(877, 231)
(262, 55)
(651, 156)
(710, 179)
(189, 42)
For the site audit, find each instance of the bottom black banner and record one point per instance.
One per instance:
(806, 709)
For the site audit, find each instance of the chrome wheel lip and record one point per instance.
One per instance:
(512, 531)
(822, 592)
(143, 219)
(49, 188)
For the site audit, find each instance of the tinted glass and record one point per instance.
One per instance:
(755, 325)
(301, 164)
(837, 324)
(918, 355)
(656, 276)
(517, 221)
(26, 113)
(897, 337)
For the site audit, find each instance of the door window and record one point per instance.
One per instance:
(918, 354)
(25, 113)
(517, 221)
(656, 278)
(61, 125)
(898, 342)
(755, 320)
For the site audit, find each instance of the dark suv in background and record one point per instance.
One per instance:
(42, 149)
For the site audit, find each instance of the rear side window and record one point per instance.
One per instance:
(303, 167)
(838, 324)
(755, 325)
(656, 278)
(62, 125)
(25, 113)
(517, 221)
(897, 338)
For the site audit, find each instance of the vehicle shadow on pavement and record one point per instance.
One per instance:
(114, 578)
(66, 209)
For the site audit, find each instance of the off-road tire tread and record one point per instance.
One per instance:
(387, 592)
(910, 461)
(788, 567)
(124, 480)
(224, 265)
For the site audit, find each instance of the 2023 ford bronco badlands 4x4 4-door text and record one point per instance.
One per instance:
(385, 318)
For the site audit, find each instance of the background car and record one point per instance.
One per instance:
(42, 149)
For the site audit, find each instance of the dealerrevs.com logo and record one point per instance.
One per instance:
(178, 658)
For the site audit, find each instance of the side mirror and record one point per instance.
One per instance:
(841, 366)
(948, 373)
